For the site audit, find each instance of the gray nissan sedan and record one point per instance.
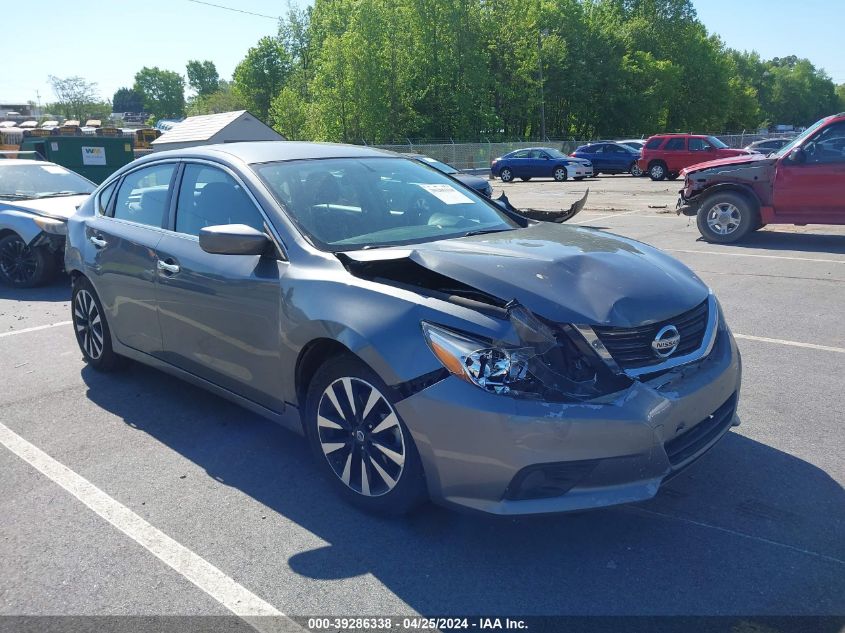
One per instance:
(428, 342)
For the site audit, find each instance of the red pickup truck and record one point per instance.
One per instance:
(803, 183)
(665, 155)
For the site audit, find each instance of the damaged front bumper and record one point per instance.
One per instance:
(508, 456)
(687, 205)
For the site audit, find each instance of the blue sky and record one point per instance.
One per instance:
(110, 41)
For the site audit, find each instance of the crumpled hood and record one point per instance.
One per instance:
(61, 207)
(566, 274)
(746, 159)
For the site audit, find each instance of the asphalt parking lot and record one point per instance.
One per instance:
(756, 527)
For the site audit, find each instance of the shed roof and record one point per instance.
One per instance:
(203, 127)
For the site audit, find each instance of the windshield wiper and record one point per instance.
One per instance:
(57, 194)
(16, 196)
(482, 232)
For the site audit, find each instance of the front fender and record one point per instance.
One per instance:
(22, 223)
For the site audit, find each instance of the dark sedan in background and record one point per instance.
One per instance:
(540, 162)
(481, 185)
(456, 350)
(610, 158)
(768, 145)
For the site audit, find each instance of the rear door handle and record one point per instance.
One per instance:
(97, 241)
(168, 267)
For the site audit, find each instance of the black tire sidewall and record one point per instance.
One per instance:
(749, 218)
(410, 490)
(109, 360)
(45, 265)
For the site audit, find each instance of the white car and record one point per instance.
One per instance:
(36, 199)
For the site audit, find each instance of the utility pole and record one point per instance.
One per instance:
(542, 90)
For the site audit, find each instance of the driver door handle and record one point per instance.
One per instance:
(167, 267)
(97, 241)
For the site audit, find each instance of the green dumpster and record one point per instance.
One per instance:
(95, 157)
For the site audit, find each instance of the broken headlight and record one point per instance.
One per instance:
(540, 367)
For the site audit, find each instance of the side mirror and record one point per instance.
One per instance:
(234, 239)
(798, 155)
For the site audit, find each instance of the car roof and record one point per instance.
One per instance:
(273, 151)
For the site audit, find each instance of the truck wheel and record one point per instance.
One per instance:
(672, 176)
(22, 266)
(657, 171)
(725, 218)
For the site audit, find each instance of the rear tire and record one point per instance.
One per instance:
(672, 176)
(506, 174)
(657, 171)
(635, 171)
(91, 328)
(560, 174)
(726, 217)
(22, 266)
(359, 441)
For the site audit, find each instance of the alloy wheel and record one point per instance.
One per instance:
(88, 323)
(18, 262)
(723, 218)
(636, 172)
(360, 436)
(657, 172)
(560, 174)
(506, 175)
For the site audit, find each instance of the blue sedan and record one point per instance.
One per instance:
(610, 158)
(540, 162)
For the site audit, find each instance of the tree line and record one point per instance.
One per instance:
(384, 70)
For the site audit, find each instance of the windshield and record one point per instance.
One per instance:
(40, 180)
(716, 142)
(783, 151)
(343, 204)
(556, 153)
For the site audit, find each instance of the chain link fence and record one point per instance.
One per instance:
(478, 156)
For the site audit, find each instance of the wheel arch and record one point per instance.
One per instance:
(733, 187)
(311, 357)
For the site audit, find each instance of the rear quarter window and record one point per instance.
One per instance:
(654, 143)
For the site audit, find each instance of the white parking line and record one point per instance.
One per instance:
(235, 597)
(802, 259)
(780, 341)
(35, 329)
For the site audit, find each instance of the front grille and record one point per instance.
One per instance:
(691, 442)
(631, 347)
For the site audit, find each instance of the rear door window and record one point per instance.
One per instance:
(144, 194)
(675, 145)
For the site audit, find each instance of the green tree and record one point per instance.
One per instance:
(74, 96)
(128, 100)
(259, 77)
(203, 77)
(840, 92)
(163, 90)
(223, 99)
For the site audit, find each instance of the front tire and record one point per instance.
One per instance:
(360, 442)
(560, 174)
(91, 328)
(22, 266)
(506, 174)
(725, 218)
